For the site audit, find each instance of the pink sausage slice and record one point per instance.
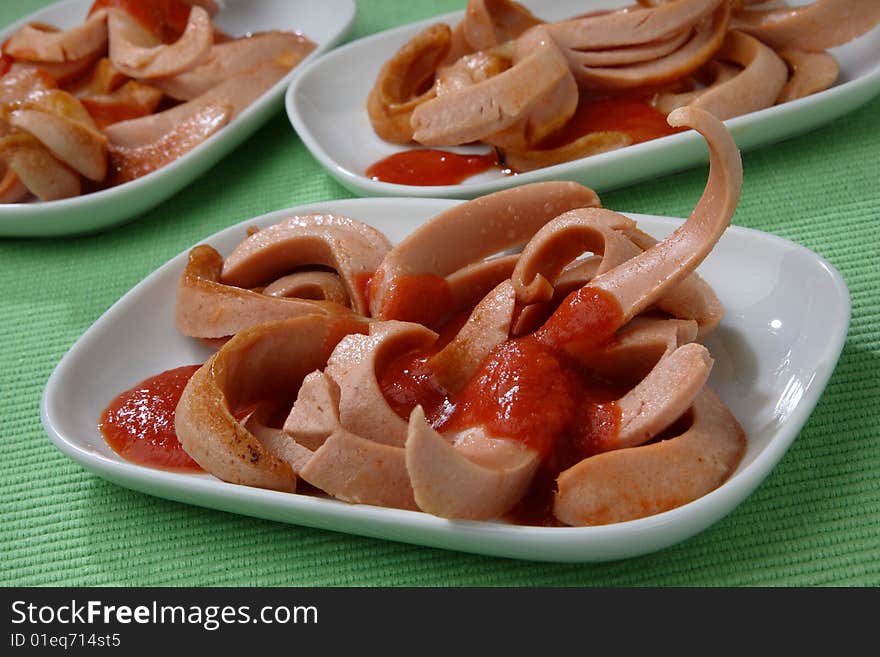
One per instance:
(475, 230)
(814, 27)
(477, 481)
(351, 248)
(246, 371)
(39, 171)
(206, 308)
(361, 471)
(353, 367)
(627, 484)
(628, 27)
(235, 57)
(137, 53)
(238, 92)
(540, 78)
(754, 88)
(488, 23)
(486, 328)
(642, 280)
(662, 396)
(43, 43)
(811, 72)
(76, 144)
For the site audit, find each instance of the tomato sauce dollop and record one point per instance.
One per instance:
(536, 389)
(630, 113)
(166, 19)
(429, 167)
(139, 423)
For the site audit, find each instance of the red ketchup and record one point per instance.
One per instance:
(429, 167)
(534, 389)
(630, 114)
(139, 423)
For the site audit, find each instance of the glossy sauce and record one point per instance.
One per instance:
(430, 167)
(630, 114)
(139, 423)
(534, 389)
(362, 285)
(423, 298)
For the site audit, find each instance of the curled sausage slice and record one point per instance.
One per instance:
(470, 69)
(315, 413)
(539, 83)
(238, 92)
(478, 478)
(129, 163)
(641, 52)
(232, 58)
(814, 27)
(140, 54)
(246, 371)
(361, 471)
(713, 74)
(351, 248)
(43, 43)
(486, 328)
(39, 171)
(811, 72)
(471, 283)
(662, 396)
(628, 27)
(591, 143)
(73, 142)
(561, 240)
(129, 101)
(639, 345)
(404, 82)
(206, 308)
(277, 441)
(323, 285)
(706, 38)
(488, 23)
(757, 86)
(632, 483)
(353, 367)
(12, 190)
(692, 299)
(642, 280)
(470, 232)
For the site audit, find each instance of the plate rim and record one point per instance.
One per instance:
(555, 544)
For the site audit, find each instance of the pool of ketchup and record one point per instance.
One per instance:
(429, 167)
(139, 423)
(630, 113)
(534, 389)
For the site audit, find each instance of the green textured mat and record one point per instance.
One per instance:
(814, 521)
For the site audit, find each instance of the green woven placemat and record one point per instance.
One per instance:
(814, 521)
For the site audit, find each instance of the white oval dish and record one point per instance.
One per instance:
(332, 92)
(326, 23)
(787, 315)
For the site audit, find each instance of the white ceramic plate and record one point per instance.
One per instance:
(326, 105)
(787, 314)
(325, 22)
